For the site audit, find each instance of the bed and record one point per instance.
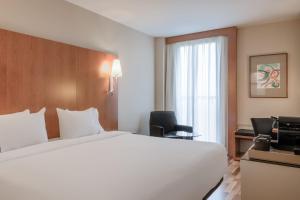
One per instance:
(112, 166)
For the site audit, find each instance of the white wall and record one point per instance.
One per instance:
(61, 21)
(266, 39)
(256, 40)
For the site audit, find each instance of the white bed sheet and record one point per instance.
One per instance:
(112, 166)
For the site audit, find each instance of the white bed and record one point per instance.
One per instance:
(112, 166)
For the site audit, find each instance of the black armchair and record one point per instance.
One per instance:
(164, 124)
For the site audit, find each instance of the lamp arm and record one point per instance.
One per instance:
(111, 85)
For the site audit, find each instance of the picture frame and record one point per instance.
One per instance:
(268, 75)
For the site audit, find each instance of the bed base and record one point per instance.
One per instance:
(212, 190)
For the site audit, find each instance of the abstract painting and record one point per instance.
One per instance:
(268, 76)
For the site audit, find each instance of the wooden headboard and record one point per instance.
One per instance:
(36, 73)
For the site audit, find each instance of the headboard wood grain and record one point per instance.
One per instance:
(36, 73)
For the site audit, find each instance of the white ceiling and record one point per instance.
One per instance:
(174, 17)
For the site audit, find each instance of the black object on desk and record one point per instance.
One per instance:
(297, 147)
(297, 150)
(262, 142)
(289, 133)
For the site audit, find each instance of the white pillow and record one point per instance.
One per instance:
(74, 124)
(95, 114)
(20, 130)
(96, 118)
(39, 120)
(12, 115)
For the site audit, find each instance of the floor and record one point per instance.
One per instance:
(230, 189)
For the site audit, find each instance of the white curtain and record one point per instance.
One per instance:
(196, 86)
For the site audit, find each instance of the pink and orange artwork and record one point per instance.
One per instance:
(268, 76)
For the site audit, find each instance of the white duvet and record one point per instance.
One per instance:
(112, 166)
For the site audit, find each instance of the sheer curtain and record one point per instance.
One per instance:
(196, 86)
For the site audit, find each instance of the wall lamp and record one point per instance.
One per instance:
(116, 72)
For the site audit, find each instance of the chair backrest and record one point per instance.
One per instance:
(262, 126)
(166, 119)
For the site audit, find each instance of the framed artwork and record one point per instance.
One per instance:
(269, 76)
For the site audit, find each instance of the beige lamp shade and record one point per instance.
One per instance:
(116, 70)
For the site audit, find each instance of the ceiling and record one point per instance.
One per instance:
(162, 18)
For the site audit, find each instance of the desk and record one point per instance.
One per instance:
(245, 135)
(242, 135)
(265, 180)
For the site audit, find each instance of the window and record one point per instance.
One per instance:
(197, 86)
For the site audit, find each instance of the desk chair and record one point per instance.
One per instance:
(262, 126)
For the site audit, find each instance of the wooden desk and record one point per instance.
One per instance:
(266, 180)
(240, 137)
(237, 141)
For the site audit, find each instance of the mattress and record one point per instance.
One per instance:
(112, 166)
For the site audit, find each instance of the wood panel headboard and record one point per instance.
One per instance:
(36, 73)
